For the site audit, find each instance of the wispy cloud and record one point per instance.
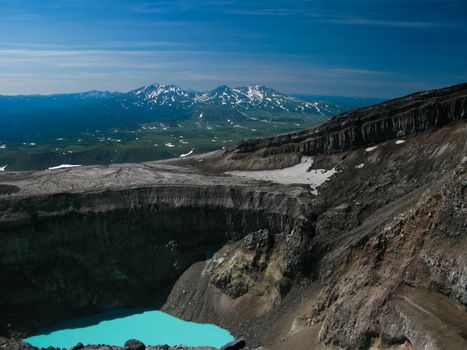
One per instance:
(273, 12)
(116, 45)
(57, 70)
(388, 23)
(317, 14)
(352, 72)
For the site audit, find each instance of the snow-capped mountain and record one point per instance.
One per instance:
(259, 97)
(245, 100)
(161, 95)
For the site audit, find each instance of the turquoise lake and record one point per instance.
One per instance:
(114, 327)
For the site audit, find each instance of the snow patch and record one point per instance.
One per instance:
(187, 154)
(169, 144)
(3, 168)
(359, 166)
(399, 142)
(369, 149)
(297, 174)
(64, 166)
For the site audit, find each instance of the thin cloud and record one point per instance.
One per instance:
(272, 12)
(128, 44)
(354, 71)
(317, 15)
(388, 23)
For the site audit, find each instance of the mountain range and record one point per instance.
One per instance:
(243, 100)
(153, 122)
(72, 113)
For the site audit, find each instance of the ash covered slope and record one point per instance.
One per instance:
(375, 256)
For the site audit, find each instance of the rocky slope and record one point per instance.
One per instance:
(392, 219)
(370, 257)
(384, 249)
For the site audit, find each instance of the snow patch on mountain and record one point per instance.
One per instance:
(64, 166)
(187, 154)
(297, 174)
(240, 99)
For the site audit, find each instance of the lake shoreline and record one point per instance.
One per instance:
(116, 326)
(14, 344)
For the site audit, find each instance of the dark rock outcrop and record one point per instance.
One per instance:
(134, 344)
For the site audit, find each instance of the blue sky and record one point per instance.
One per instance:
(368, 48)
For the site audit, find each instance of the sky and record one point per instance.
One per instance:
(366, 48)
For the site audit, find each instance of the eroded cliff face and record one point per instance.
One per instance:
(374, 258)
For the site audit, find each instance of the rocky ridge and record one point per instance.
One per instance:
(392, 119)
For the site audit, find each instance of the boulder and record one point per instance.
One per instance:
(78, 346)
(134, 344)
